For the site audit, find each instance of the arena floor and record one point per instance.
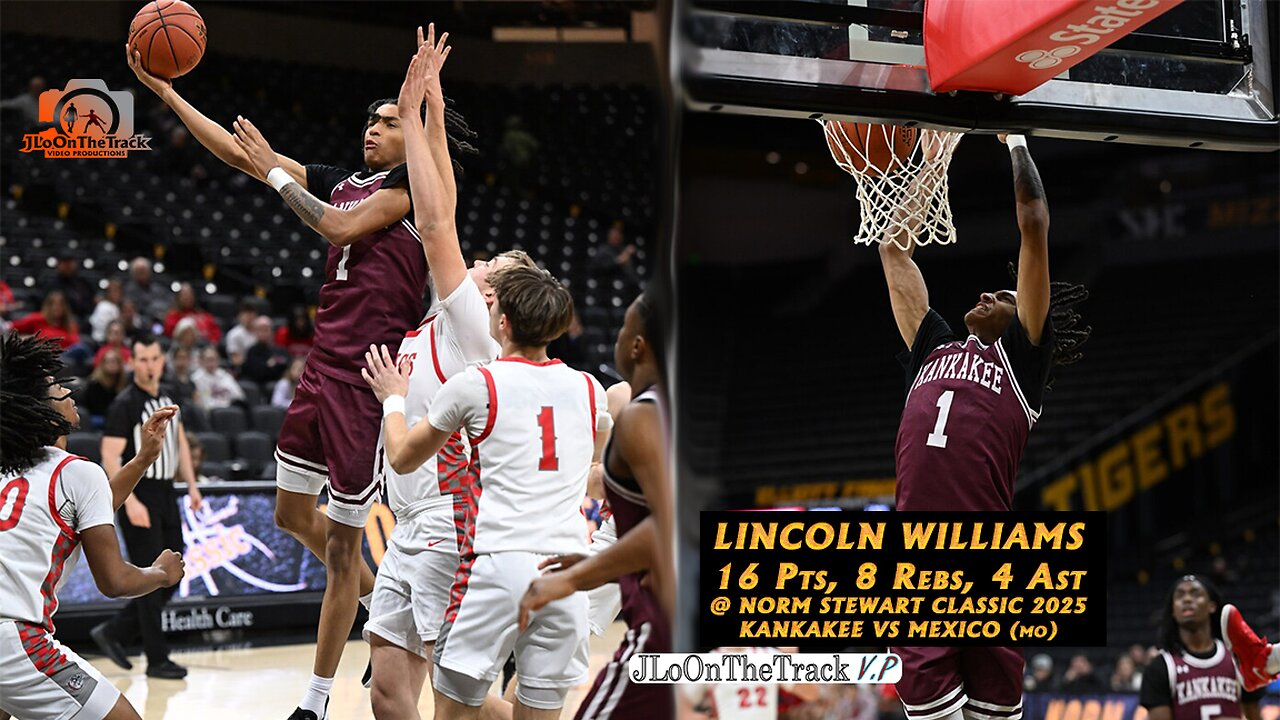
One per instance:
(267, 682)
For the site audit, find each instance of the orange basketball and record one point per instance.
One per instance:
(871, 148)
(170, 36)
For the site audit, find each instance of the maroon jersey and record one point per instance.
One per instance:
(970, 408)
(373, 288)
(614, 696)
(629, 508)
(1194, 686)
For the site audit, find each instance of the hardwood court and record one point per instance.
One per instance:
(265, 683)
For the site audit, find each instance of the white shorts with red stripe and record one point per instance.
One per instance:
(44, 680)
(550, 653)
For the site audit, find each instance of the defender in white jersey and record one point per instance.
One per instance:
(532, 423)
(434, 503)
(50, 503)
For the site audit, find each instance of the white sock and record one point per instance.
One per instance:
(366, 599)
(316, 695)
(1273, 660)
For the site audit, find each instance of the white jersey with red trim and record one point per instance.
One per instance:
(532, 428)
(454, 336)
(42, 512)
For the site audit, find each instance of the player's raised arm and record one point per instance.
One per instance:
(207, 132)
(340, 227)
(1033, 224)
(407, 448)
(124, 480)
(431, 179)
(908, 295)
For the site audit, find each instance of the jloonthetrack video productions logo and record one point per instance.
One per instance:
(85, 120)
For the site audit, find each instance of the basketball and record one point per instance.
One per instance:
(870, 148)
(170, 36)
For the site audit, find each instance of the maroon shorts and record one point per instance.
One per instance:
(613, 695)
(939, 680)
(329, 437)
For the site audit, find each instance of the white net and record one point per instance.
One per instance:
(902, 181)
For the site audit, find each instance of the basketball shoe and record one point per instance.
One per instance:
(1258, 659)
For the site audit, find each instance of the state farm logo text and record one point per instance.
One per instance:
(1106, 20)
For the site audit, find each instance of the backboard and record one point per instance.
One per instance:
(1200, 75)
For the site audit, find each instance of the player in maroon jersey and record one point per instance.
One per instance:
(1195, 675)
(636, 483)
(970, 407)
(375, 280)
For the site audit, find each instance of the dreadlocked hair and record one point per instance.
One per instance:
(29, 421)
(1067, 336)
(455, 128)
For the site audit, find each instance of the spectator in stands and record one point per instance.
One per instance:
(264, 362)
(28, 103)
(298, 335)
(187, 337)
(1041, 677)
(1138, 656)
(215, 387)
(1125, 678)
(282, 395)
(115, 340)
(570, 348)
(79, 292)
(1223, 575)
(133, 328)
(182, 158)
(1080, 677)
(185, 307)
(240, 338)
(107, 381)
(177, 376)
(612, 260)
(107, 310)
(518, 155)
(151, 296)
(53, 320)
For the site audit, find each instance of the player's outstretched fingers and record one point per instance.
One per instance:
(386, 357)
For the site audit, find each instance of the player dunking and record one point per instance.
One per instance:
(375, 279)
(532, 424)
(50, 503)
(970, 407)
(433, 504)
(635, 479)
(1195, 675)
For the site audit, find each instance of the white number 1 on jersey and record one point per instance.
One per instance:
(342, 264)
(938, 438)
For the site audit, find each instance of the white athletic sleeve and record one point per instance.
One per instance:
(604, 421)
(462, 402)
(84, 496)
(466, 325)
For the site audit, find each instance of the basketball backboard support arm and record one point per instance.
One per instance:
(885, 82)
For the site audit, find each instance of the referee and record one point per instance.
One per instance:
(150, 521)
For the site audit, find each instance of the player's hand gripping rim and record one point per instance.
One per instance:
(382, 374)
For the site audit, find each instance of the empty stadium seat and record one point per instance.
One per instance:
(216, 447)
(86, 444)
(255, 449)
(228, 420)
(268, 419)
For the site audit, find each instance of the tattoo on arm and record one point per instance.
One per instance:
(1026, 179)
(303, 203)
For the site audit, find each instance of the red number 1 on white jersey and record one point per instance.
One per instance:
(547, 421)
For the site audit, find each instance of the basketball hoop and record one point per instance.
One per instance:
(902, 181)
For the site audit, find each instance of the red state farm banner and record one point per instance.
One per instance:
(1013, 46)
